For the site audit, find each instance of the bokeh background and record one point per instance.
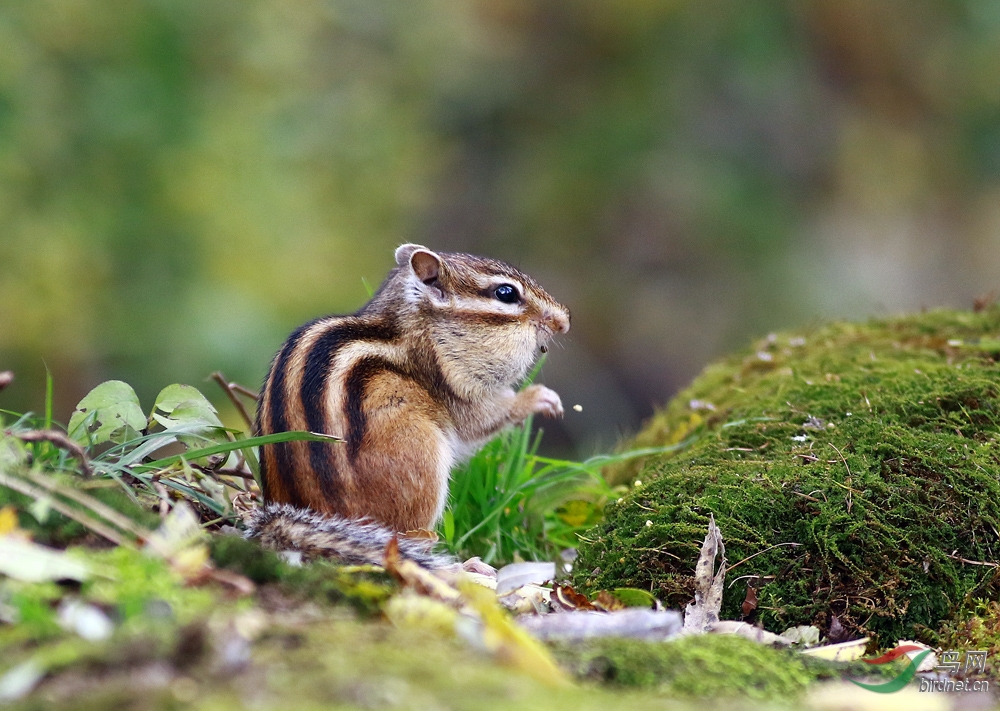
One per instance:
(182, 182)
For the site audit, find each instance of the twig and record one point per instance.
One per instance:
(233, 472)
(242, 390)
(58, 439)
(231, 390)
(974, 562)
(98, 507)
(23, 487)
(806, 496)
(660, 551)
(776, 545)
(842, 458)
(745, 577)
(230, 484)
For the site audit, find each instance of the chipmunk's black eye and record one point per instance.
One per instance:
(507, 293)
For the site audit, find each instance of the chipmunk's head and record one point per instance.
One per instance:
(482, 308)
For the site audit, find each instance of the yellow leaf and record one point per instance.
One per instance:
(412, 610)
(575, 513)
(8, 522)
(508, 641)
(190, 561)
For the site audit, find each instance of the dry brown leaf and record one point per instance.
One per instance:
(564, 597)
(750, 601)
(421, 534)
(702, 614)
(607, 602)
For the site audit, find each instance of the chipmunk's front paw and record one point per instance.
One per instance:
(545, 401)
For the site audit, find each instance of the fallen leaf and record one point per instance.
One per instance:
(564, 597)
(9, 525)
(843, 652)
(748, 631)
(179, 530)
(635, 623)
(702, 614)
(527, 598)
(511, 577)
(634, 597)
(750, 601)
(34, 563)
(510, 643)
(20, 680)
(421, 534)
(607, 602)
(806, 635)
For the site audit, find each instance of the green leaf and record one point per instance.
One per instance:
(185, 409)
(109, 413)
(185, 406)
(634, 597)
(296, 436)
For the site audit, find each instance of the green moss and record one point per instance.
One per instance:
(976, 629)
(858, 463)
(247, 558)
(309, 661)
(149, 603)
(142, 588)
(366, 590)
(699, 666)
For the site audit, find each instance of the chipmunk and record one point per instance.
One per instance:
(414, 382)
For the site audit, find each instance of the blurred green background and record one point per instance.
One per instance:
(183, 182)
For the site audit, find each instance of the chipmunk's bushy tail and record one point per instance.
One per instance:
(284, 527)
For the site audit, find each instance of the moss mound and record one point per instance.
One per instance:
(853, 470)
(703, 666)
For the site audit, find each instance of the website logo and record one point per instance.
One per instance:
(904, 677)
(951, 663)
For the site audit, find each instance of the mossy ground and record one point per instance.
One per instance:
(698, 666)
(296, 644)
(313, 637)
(854, 468)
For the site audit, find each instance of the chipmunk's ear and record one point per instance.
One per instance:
(426, 265)
(404, 252)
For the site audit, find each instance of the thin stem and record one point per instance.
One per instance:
(231, 389)
(97, 527)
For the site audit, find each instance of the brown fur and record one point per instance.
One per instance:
(414, 381)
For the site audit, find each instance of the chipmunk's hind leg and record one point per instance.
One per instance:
(397, 448)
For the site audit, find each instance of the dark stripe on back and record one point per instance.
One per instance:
(277, 400)
(315, 381)
(355, 384)
(428, 374)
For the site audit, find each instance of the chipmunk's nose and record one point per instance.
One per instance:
(557, 320)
